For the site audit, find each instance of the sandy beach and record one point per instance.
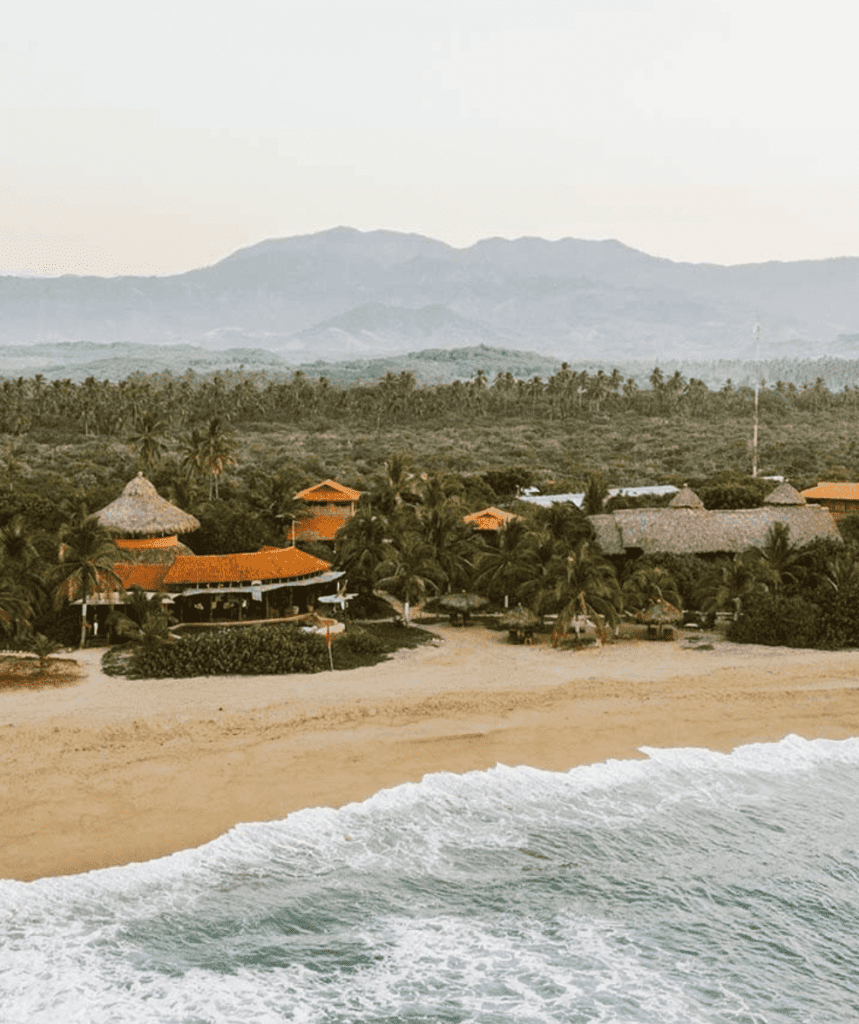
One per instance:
(108, 771)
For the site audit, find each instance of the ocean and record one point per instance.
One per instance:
(686, 887)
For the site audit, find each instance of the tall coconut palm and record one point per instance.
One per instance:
(503, 569)
(648, 585)
(731, 582)
(779, 557)
(455, 545)
(148, 439)
(409, 571)
(362, 546)
(216, 453)
(87, 556)
(583, 584)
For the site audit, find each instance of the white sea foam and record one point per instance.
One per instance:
(612, 892)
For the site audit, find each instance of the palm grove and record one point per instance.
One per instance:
(212, 446)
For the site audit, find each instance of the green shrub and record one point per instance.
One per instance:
(359, 641)
(781, 622)
(260, 650)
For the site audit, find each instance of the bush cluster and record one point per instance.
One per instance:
(261, 650)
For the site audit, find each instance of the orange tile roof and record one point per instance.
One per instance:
(328, 490)
(833, 491)
(320, 527)
(276, 564)
(147, 577)
(489, 518)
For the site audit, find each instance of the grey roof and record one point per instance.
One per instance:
(685, 498)
(784, 494)
(686, 531)
(141, 512)
(547, 500)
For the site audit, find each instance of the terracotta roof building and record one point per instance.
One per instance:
(840, 499)
(489, 518)
(259, 584)
(688, 528)
(330, 506)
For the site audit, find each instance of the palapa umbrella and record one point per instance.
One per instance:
(463, 602)
(659, 613)
(520, 618)
(521, 623)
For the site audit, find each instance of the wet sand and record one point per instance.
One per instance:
(109, 771)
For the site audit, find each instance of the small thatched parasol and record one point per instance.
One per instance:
(463, 602)
(141, 512)
(660, 613)
(520, 618)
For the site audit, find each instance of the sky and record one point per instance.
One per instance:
(154, 137)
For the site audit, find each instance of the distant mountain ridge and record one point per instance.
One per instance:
(345, 293)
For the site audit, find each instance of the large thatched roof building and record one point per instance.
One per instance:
(146, 527)
(687, 528)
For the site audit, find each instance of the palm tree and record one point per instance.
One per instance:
(87, 556)
(454, 543)
(648, 585)
(730, 583)
(514, 562)
(596, 492)
(583, 584)
(148, 440)
(362, 546)
(216, 453)
(652, 592)
(146, 620)
(410, 571)
(779, 557)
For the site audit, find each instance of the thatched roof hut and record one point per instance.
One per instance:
(692, 530)
(145, 526)
(141, 512)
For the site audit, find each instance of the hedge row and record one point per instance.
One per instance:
(260, 650)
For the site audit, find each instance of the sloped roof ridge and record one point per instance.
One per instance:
(784, 494)
(348, 493)
(685, 498)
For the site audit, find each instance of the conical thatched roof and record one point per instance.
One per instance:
(784, 494)
(463, 602)
(685, 498)
(141, 512)
(660, 612)
(520, 618)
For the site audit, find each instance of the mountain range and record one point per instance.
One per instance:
(345, 294)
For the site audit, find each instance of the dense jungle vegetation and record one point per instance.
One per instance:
(234, 448)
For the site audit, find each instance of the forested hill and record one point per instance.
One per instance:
(349, 294)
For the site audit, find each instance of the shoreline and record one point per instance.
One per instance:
(110, 771)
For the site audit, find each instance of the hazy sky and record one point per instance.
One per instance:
(153, 137)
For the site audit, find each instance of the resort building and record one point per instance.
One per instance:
(685, 527)
(840, 499)
(265, 584)
(329, 505)
(271, 583)
(489, 519)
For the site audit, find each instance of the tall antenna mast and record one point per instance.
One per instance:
(757, 337)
